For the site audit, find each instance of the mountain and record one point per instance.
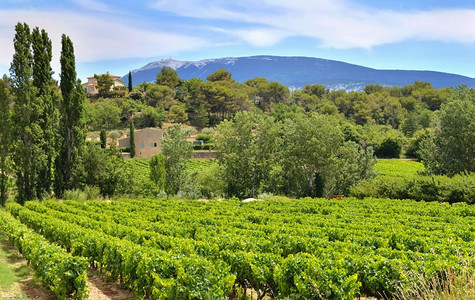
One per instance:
(296, 72)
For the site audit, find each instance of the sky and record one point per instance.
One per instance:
(120, 35)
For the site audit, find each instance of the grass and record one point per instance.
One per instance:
(445, 286)
(11, 270)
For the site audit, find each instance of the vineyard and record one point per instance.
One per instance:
(307, 248)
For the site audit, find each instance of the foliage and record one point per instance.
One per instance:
(168, 77)
(48, 116)
(130, 86)
(245, 151)
(104, 84)
(209, 181)
(398, 168)
(459, 188)
(63, 274)
(72, 123)
(27, 134)
(150, 117)
(306, 248)
(158, 172)
(176, 150)
(4, 140)
(132, 138)
(178, 114)
(452, 150)
(103, 138)
(101, 168)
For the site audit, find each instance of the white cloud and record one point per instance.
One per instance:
(94, 38)
(334, 23)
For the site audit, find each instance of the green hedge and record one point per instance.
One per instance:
(460, 188)
(62, 273)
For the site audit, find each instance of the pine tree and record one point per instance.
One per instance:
(130, 81)
(4, 139)
(26, 130)
(202, 119)
(42, 55)
(72, 122)
(132, 138)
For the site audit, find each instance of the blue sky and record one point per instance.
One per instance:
(121, 35)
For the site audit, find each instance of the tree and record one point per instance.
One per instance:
(4, 139)
(176, 150)
(247, 151)
(103, 138)
(201, 119)
(42, 55)
(72, 127)
(27, 135)
(104, 84)
(160, 96)
(103, 168)
(132, 138)
(178, 114)
(150, 117)
(220, 75)
(452, 148)
(311, 143)
(158, 172)
(130, 82)
(168, 77)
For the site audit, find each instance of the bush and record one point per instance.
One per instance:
(208, 147)
(207, 130)
(206, 138)
(390, 148)
(460, 188)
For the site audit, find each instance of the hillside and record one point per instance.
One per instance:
(296, 72)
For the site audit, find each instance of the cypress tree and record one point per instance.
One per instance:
(72, 122)
(103, 137)
(42, 55)
(158, 172)
(132, 138)
(130, 81)
(4, 139)
(26, 131)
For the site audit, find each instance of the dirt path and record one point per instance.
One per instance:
(17, 280)
(103, 290)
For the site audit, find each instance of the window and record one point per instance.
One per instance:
(142, 145)
(148, 135)
(154, 145)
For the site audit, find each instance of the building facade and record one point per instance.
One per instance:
(90, 86)
(148, 141)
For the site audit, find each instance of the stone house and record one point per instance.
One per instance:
(148, 141)
(90, 86)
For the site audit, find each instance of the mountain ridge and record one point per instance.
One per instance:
(297, 71)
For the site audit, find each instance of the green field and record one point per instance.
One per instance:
(398, 167)
(307, 248)
(383, 167)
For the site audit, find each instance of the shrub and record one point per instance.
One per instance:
(460, 188)
(206, 138)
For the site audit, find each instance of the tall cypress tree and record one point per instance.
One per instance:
(4, 139)
(72, 121)
(42, 55)
(130, 81)
(103, 138)
(132, 138)
(26, 130)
